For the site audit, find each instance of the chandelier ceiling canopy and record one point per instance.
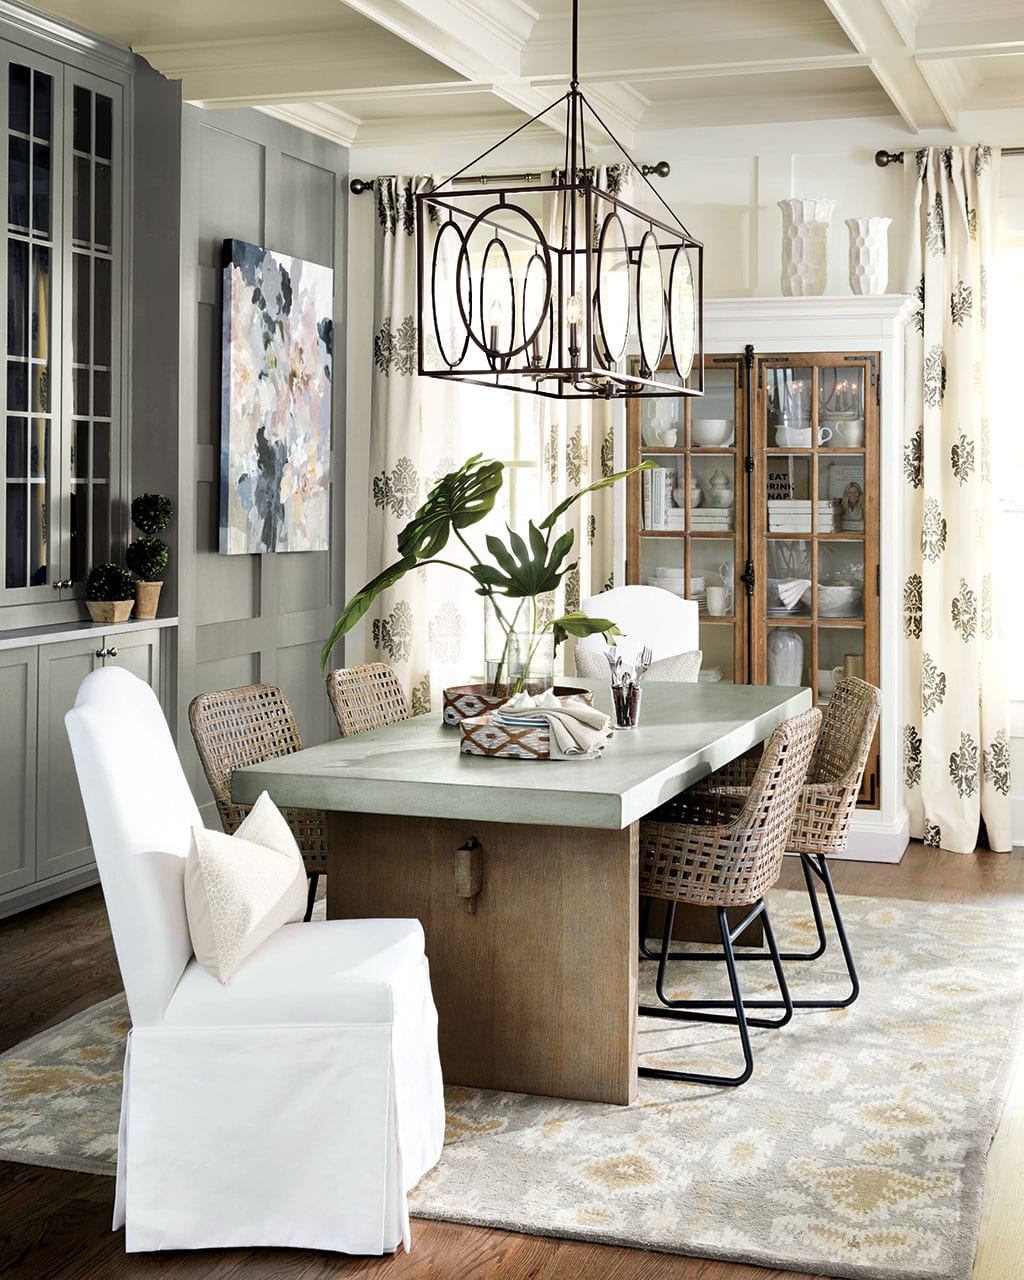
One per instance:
(543, 289)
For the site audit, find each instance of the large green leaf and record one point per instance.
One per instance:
(361, 601)
(581, 624)
(458, 500)
(525, 570)
(550, 520)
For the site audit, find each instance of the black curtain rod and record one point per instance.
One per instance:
(358, 185)
(883, 158)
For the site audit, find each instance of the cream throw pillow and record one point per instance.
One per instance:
(240, 889)
(592, 665)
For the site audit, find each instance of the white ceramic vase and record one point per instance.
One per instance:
(805, 227)
(869, 254)
(785, 657)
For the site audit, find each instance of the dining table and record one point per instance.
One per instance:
(523, 872)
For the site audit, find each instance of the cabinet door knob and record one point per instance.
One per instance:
(111, 652)
(101, 653)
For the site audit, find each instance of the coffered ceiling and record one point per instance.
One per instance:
(382, 72)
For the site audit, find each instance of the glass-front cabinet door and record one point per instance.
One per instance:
(61, 184)
(815, 533)
(686, 522)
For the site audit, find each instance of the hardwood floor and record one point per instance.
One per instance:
(54, 1225)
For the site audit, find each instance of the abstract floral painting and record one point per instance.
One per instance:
(275, 402)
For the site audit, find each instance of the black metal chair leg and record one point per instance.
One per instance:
(314, 880)
(813, 865)
(692, 1010)
(645, 921)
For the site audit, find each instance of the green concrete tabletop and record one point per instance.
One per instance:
(415, 767)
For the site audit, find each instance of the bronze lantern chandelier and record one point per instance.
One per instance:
(540, 288)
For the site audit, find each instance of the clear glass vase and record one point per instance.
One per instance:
(519, 647)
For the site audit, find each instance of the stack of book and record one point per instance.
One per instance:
(793, 515)
(657, 496)
(675, 519)
(711, 520)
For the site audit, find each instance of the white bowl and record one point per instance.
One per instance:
(696, 586)
(680, 497)
(710, 431)
(836, 600)
(669, 571)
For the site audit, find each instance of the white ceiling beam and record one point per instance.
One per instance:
(870, 28)
(632, 57)
(316, 117)
(484, 39)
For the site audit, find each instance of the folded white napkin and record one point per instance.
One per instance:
(577, 732)
(791, 589)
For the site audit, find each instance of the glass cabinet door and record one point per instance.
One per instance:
(31, 423)
(60, 332)
(685, 521)
(816, 525)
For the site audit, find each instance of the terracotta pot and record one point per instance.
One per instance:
(110, 610)
(147, 596)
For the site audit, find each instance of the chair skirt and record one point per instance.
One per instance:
(339, 1123)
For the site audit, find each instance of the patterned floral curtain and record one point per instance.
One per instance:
(956, 738)
(430, 625)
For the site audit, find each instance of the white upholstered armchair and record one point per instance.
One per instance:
(295, 1105)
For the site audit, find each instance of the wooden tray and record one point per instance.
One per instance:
(482, 738)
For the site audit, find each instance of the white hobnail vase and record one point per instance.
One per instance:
(805, 227)
(785, 656)
(869, 254)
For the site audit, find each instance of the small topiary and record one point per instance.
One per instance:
(109, 582)
(147, 558)
(152, 512)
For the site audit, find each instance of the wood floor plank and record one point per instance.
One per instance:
(55, 1225)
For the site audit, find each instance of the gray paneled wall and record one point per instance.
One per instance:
(251, 618)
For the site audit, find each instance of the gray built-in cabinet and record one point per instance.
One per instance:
(64, 448)
(44, 840)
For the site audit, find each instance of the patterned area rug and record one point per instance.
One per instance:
(857, 1149)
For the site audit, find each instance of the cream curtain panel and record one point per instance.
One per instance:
(429, 626)
(955, 737)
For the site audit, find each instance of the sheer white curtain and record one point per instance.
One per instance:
(429, 626)
(956, 732)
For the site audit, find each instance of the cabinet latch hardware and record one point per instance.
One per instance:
(748, 462)
(878, 579)
(747, 577)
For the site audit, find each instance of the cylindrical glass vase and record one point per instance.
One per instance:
(519, 649)
(869, 254)
(805, 227)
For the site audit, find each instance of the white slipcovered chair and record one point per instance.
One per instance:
(294, 1106)
(651, 616)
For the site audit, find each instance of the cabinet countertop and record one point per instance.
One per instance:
(29, 637)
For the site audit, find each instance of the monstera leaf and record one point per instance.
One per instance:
(551, 519)
(458, 500)
(524, 570)
(361, 601)
(580, 625)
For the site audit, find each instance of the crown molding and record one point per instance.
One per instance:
(65, 36)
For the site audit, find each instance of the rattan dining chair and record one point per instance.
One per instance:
(824, 811)
(238, 727)
(716, 851)
(366, 697)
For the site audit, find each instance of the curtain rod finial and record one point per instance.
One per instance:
(885, 158)
(357, 186)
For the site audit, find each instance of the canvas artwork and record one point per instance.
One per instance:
(275, 402)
